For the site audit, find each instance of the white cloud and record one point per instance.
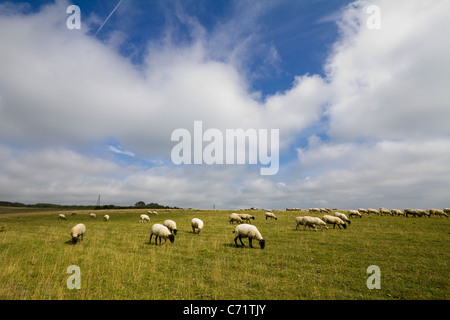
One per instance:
(384, 103)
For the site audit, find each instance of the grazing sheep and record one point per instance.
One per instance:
(171, 225)
(247, 217)
(326, 210)
(310, 222)
(314, 210)
(92, 215)
(438, 212)
(77, 232)
(446, 210)
(144, 218)
(373, 211)
(61, 217)
(106, 217)
(397, 212)
(234, 217)
(197, 224)
(73, 213)
(270, 215)
(414, 213)
(248, 231)
(343, 217)
(352, 213)
(424, 212)
(334, 221)
(385, 211)
(361, 210)
(150, 212)
(160, 231)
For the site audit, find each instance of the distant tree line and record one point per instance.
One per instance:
(140, 204)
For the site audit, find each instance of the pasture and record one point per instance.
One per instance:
(117, 262)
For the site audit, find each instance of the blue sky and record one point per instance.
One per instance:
(84, 113)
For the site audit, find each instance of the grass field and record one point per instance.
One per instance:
(117, 262)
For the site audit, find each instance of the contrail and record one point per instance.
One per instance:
(108, 17)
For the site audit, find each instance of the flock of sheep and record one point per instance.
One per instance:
(168, 229)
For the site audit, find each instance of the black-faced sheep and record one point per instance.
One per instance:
(161, 232)
(248, 231)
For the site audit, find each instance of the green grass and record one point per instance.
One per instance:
(117, 262)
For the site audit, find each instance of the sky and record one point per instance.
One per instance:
(358, 91)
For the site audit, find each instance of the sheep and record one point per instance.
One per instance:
(270, 215)
(361, 210)
(373, 211)
(197, 224)
(144, 218)
(246, 217)
(171, 225)
(385, 211)
(150, 212)
(106, 217)
(314, 210)
(310, 222)
(343, 217)
(352, 213)
(160, 231)
(397, 212)
(248, 231)
(92, 215)
(334, 221)
(438, 212)
(326, 210)
(446, 210)
(61, 217)
(77, 232)
(424, 212)
(414, 213)
(73, 213)
(234, 217)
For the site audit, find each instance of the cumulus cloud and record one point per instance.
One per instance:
(382, 108)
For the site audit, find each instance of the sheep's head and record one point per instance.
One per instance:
(74, 239)
(345, 226)
(172, 238)
(262, 243)
(175, 231)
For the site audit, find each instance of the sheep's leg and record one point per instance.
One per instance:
(150, 241)
(250, 242)
(193, 229)
(164, 241)
(334, 225)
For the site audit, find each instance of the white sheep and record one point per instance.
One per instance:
(373, 211)
(385, 211)
(160, 231)
(439, 213)
(352, 213)
(197, 224)
(106, 217)
(446, 210)
(413, 212)
(61, 217)
(361, 210)
(92, 215)
(309, 222)
(397, 212)
(171, 225)
(150, 212)
(248, 231)
(343, 217)
(314, 210)
(334, 221)
(247, 217)
(77, 232)
(234, 217)
(144, 218)
(270, 215)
